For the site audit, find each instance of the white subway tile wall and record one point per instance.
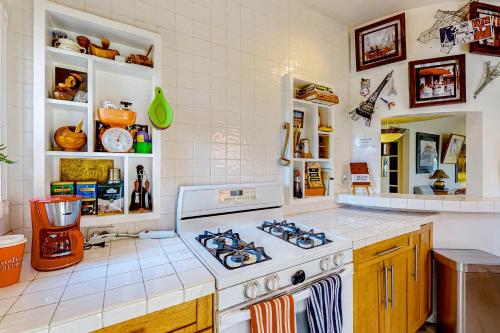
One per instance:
(223, 63)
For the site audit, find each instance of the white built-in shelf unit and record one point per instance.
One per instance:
(106, 80)
(313, 114)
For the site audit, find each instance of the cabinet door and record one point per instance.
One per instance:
(424, 273)
(414, 285)
(396, 314)
(368, 299)
(420, 279)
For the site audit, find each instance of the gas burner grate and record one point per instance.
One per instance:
(230, 250)
(289, 232)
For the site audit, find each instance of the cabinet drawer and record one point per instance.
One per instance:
(192, 316)
(383, 249)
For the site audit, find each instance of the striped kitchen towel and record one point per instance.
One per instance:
(274, 316)
(324, 306)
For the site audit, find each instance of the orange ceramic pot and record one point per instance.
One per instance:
(11, 258)
(69, 140)
(116, 117)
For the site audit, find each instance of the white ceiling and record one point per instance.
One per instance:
(356, 12)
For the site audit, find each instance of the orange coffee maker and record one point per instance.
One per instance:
(57, 240)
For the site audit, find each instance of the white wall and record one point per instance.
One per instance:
(442, 127)
(227, 127)
(484, 164)
(467, 231)
(451, 230)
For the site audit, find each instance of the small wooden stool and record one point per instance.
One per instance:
(366, 187)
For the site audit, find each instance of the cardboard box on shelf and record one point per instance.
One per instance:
(58, 188)
(111, 200)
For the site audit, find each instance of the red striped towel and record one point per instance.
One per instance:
(274, 316)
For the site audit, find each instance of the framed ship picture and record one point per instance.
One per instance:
(487, 46)
(380, 43)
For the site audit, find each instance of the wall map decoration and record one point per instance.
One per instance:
(444, 18)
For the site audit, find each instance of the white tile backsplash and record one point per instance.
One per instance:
(223, 65)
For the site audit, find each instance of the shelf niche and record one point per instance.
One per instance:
(315, 115)
(107, 79)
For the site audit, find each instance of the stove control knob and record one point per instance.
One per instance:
(273, 282)
(252, 289)
(325, 264)
(298, 277)
(338, 259)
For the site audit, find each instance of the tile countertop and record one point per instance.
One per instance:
(419, 202)
(126, 280)
(364, 226)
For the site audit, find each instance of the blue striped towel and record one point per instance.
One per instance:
(324, 306)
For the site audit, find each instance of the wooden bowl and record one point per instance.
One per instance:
(68, 140)
(102, 52)
(116, 117)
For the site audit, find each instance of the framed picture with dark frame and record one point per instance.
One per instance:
(461, 166)
(437, 81)
(486, 46)
(427, 152)
(380, 43)
(452, 148)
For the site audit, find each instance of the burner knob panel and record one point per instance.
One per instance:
(252, 289)
(325, 264)
(338, 259)
(298, 277)
(273, 282)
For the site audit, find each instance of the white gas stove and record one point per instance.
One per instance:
(239, 233)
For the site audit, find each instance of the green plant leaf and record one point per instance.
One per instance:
(3, 157)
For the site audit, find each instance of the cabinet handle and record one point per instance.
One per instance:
(416, 263)
(392, 249)
(392, 286)
(386, 287)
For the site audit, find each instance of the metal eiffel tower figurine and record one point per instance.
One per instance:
(491, 74)
(367, 108)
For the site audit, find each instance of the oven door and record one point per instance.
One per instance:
(239, 320)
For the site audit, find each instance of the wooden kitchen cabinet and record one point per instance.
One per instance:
(392, 281)
(368, 298)
(420, 279)
(397, 290)
(191, 317)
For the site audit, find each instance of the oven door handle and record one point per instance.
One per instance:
(230, 318)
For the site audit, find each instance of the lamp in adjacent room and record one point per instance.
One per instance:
(439, 175)
(392, 133)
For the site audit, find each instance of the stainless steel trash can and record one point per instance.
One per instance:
(468, 291)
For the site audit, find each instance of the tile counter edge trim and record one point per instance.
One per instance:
(422, 203)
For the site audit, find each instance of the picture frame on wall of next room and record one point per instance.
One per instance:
(437, 81)
(380, 43)
(427, 152)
